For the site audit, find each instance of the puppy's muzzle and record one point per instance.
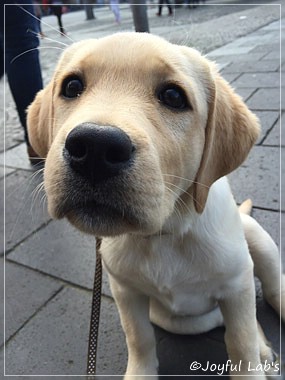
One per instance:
(97, 152)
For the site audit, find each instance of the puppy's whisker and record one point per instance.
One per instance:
(55, 41)
(35, 195)
(182, 206)
(43, 202)
(43, 22)
(178, 200)
(43, 199)
(37, 173)
(37, 165)
(32, 31)
(186, 179)
(37, 48)
(48, 38)
(37, 189)
(186, 31)
(181, 202)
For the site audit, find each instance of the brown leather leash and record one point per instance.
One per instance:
(95, 312)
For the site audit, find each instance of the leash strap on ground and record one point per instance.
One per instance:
(95, 313)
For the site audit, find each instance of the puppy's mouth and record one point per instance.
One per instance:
(98, 218)
(92, 209)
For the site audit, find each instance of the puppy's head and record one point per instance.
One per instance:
(134, 127)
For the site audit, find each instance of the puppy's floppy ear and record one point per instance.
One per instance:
(40, 120)
(230, 133)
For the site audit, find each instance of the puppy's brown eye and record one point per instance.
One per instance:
(173, 97)
(72, 87)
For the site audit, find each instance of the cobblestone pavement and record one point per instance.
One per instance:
(49, 265)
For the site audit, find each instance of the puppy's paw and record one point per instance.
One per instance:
(142, 362)
(270, 361)
(148, 372)
(140, 377)
(272, 368)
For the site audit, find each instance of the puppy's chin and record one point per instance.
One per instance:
(98, 225)
(106, 223)
(101, 220)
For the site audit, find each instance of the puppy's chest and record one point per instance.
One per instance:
(182, 279)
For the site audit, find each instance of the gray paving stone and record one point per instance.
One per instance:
(17, 158)
(5, 171)
(226, 51)
(258, 80)
(24, 212)
(2, 377)
(266, 48)
(266, 39)
(250, 57)
(54, 342)
(274, 54)
(63, 252)
(26, 377)
(25, 292)
(230, 77)
(258, 178)
(267, 121)
(275, 25)
(273, 138)
(13, 132)
(265, 99)
(245, 93)
(221, 65)
(255, 67)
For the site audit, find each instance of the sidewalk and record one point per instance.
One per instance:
(49, 265)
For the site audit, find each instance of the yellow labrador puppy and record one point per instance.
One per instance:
(139, 134)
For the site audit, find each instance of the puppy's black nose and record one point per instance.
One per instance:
(98, 152)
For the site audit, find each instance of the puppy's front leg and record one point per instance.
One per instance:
(134, 313)
(241, 335)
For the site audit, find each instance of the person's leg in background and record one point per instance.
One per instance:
(169, 7)
(22, 63)
(57, 10)
(116, 10)
(160, 3)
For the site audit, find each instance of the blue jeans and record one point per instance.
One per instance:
(24, 72)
